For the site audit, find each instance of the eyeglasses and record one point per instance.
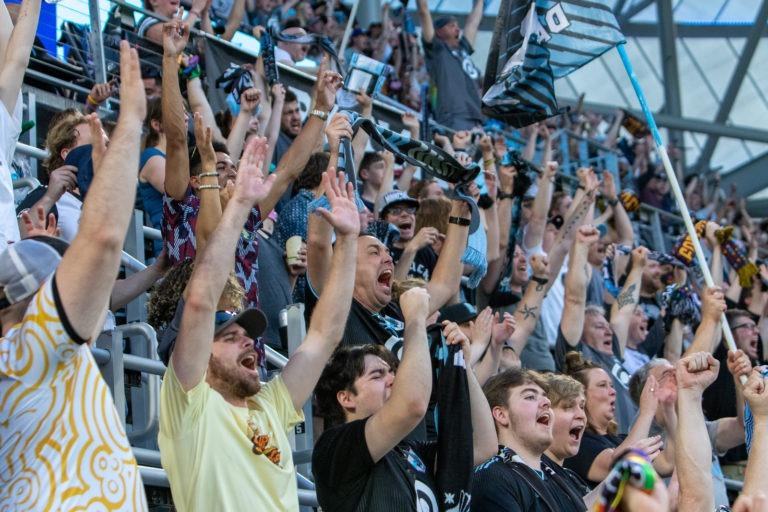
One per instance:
(397, 210)
(749, 326)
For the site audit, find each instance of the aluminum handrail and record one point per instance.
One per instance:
(146, 333)
(27, 181)
(31, 151)
(157, 477)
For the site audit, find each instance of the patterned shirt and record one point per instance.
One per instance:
(62, 444)
(179, 225)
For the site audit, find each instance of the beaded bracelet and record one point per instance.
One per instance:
(212, 174)
(206, 187)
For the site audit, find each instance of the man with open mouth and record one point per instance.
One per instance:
(520, 476)
(223, 435)
(411, 251)
(374, 316)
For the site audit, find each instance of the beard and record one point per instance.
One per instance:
(230, 381)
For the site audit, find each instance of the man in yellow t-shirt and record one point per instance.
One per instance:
(223, 435)
(62, 444)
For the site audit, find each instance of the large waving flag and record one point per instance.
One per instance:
(537, 41)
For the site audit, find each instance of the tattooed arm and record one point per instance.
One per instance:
(624, 306)
(527, 312)
(578, 215)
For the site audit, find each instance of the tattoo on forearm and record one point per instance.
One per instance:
(626, 297)
(576, 217)
(528, 311)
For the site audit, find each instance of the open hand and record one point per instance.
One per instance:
(343, 215)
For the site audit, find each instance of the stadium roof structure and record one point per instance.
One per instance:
(703, 65)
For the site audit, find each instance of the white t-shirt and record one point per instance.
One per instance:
(70, 208)
(10, 129)
(63, 444)
(552, 306)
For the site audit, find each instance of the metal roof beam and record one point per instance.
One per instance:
(748, 178)
(737, 78)
(635, 9)
(683, 123)
(671, 82)
(694, 30)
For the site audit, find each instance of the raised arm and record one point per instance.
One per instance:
(623, 224)
(249, 101)
(425, 19)
(579, 214)
(447, 275)
(712, 307)
(473, 22)
(534, 232)
(757, 466)
(624, 306)
(271, 128)
(484, 440)
(360, 141)
(408, 401)
(411, 122)
(209, 189)
(94, 256)
(17, 53)
(387, 181)
(730, 431)
(175, 37)
(212, 268)
(319, 250)
(235, 20)
(572, 321)
(326, 326)
(529, 309)
(198, 102)
(293, 161)
(693, 451)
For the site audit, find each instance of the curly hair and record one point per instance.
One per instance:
(165, 295)
(61, 136)
(577, 367)
(433, 213)
(400, 287)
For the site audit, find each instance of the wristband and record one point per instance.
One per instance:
(92, 101)
(580, 186)
(540, 280)
(504, 195)
(459, 221)
(613, 202)
(319, 114)
(489, 162)
(208, 174)
(207, 187)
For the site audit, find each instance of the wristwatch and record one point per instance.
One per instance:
(320, 114)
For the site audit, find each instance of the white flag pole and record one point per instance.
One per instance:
(676, 192)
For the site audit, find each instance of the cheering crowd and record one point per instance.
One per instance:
(505, 342)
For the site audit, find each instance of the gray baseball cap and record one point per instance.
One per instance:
(26, 265)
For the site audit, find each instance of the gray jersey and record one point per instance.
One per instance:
(456, 78)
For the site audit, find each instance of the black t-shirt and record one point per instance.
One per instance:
(347, 478)
(503, 484)
(574, 481)
(423, 263)
(364, 326)
(592, 444)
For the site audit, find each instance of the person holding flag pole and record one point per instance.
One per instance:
(676, 192)
(536, 42)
